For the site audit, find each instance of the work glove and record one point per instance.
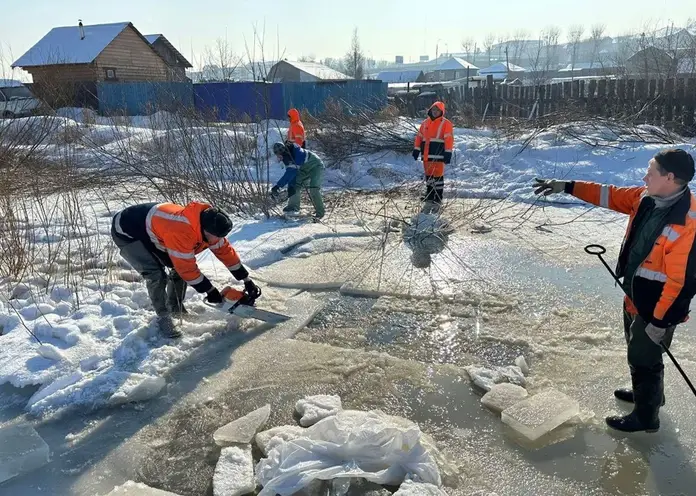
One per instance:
(448, 157)
(246, 300)
(252, 289)
(416, 154)
(549, 186)
(656, 334)
(214, 296)
(274, 191)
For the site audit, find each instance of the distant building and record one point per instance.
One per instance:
(453, 68)
(175, 60)
(651, 62)
(503, 70)
(399, 59)
(286, 71)
(406, 76)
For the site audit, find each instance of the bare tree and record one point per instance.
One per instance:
(544, 57)
(468, 45)
(307, 58)
(354, 60)
(574, 40)
(488, 43)
(221, 61)
(517, 45)
(597, 38)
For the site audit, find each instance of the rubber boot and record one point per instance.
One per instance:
(167, 328)
(626, 394)
(176, 292)
(647, 393)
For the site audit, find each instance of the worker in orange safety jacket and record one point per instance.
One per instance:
(153, 236)
(296, 133)
(657, 266)
(434, 141)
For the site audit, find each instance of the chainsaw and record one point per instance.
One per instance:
(232, 305)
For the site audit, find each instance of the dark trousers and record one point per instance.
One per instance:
(646, 366)
(166, 293)
(434, 188)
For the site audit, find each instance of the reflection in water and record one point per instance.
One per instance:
(426, 234)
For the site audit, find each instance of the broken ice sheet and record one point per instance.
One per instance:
(503, 396)
(284, 432)
(234, 472)
(315, 408)
(537, 415)
(242, 430)
(131, 488)
(22, 450)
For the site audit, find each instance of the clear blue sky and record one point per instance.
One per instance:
(323, 28)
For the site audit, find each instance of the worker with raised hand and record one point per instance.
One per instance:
(296, 132)
(152, 236)
(434, 142)
(302, 167)
(657, 267)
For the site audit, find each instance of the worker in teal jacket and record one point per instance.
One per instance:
(302, 166)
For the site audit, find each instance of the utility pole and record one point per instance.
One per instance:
(507, 62)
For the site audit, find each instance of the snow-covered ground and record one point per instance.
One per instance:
(515, 272)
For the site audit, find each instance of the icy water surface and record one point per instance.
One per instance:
(565, 319)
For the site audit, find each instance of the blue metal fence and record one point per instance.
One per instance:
(237, 101)
(366, 95)
(143, 98)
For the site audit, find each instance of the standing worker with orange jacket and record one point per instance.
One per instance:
(435, 141)
(152, 236)
(657, 265)
(296, 133)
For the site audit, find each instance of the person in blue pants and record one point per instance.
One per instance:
(302, 167)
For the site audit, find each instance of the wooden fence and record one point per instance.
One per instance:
(670, 103)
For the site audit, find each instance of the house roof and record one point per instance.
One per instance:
(152, 38)
(10, 83)
(579, 66)
(501, 67)
(399, 76)
(456, 63)
(64, 46)
(318, 70)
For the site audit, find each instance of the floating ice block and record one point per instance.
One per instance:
(541, 413)
(21, 450)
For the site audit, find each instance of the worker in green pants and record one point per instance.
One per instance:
(302, 167)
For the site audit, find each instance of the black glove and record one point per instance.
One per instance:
(448, 157)
(214, 296)
(274, 191)
(416, 154)
(252, 289)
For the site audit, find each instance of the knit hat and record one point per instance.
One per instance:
(678, 162)
(215, 222)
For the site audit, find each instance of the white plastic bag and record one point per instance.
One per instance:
(372, 445)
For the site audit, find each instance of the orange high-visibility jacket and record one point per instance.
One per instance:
(664, 283)
(176, 231)
(435, 138)
(296, 133)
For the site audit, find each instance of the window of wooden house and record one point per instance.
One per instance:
(110, 74)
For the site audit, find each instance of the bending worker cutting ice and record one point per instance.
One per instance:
(657, 266)
(153, 236)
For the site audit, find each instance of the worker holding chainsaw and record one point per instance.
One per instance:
(301, 167)
(657, 267)
(153, 236)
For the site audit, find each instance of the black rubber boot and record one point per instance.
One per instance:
(647, 395)
(632, 423)
(626, 394)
